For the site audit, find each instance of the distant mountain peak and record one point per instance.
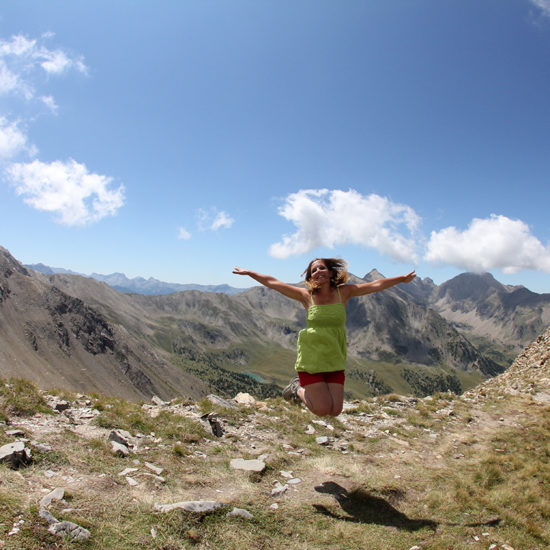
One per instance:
(372, 275)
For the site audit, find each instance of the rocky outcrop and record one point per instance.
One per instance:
(59, 340)
(529, 373)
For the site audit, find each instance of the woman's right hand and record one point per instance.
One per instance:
(239, 271)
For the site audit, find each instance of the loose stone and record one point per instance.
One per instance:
(240, 512)
(195, 506)
(119, 449)
(70, 529)
(154, 468)
(56, 494)
(253, 465)
(15, 454)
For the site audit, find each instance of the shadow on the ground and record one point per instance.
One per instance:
(363, 507)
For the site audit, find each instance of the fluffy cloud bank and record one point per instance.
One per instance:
(328, 218)
(491, 243)
(333, 218)
(67, 189)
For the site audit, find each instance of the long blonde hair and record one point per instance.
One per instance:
(337, 267)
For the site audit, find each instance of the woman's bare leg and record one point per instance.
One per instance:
(323, 399)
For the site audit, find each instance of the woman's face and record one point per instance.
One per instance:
(320, 272)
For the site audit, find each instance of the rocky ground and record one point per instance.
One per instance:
(391, 471)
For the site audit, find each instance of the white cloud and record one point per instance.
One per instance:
(50, 103)
(67, 189)
(183, 234)
(222, 219)
(12, 139)
(333, 217)
(213, 220)
(491, 243)
(21, 58)
(543, 5)
(9, 81)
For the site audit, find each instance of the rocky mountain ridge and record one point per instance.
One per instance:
(74, 331)
(138, 285)
(58, 340)
(476, 304)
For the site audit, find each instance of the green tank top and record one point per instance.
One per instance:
(322, 345)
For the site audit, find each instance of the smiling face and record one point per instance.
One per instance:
(321, 270)
(318, 273)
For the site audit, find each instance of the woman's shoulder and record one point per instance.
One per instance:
(345, 291)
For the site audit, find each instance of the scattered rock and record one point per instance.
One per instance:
(154, 468)
(127, 471)
(240, 512)
(69, 529)
(15, 433)
(15, 454)
(61, 528)
(131, 481)
(244, 399)
(119, 449)
(219, 401)
(45, 514)
(294, 481)
(279, 489)
(155, 477)
(59, 405)
(324, 424)
(56, 494)
(212, 424)
(253, 465)
(158, 401)
(124, 438)
(322, 440)
(42, 447)
(194, 506)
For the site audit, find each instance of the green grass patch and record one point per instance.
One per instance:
(19, 397)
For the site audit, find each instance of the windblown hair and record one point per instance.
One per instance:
(337, 267)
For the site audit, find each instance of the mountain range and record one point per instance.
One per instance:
(138, 285)
(66, 330)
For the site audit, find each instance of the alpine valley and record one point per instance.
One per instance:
(63, 330)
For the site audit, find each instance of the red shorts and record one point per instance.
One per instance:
(336, 377)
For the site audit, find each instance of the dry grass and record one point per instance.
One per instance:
(432, 479)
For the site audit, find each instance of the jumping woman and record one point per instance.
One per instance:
(321, 358)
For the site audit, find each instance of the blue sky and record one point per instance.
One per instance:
(177, 139)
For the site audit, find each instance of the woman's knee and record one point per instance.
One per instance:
(320, 409)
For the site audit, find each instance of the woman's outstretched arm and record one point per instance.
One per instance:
(361, 289)
(290, 291)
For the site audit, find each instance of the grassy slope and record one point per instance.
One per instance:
(274, 364)
(434, 473)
